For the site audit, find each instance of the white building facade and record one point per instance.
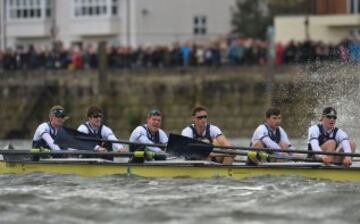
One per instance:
(120, 22)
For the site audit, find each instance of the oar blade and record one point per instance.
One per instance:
(66, 138)
(179, 145)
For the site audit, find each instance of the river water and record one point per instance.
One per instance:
(44, 198)
(49, 198)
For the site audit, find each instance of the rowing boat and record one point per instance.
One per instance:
(20, 162)
(179, 168)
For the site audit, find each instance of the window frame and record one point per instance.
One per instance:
(200, 25)
(94, 9)
(28, 10)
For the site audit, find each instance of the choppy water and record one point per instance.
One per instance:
(43, 198)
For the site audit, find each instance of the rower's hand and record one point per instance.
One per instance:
(101, 149)
(327, 159)
(347, 161)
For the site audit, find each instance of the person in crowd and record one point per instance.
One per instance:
(149, 133)
(95, 128)
(270, 135)
(201, 130)
(328, 138)
(46, 132)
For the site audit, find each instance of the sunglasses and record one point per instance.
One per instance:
(155, 112)
(97, 116)
(59, 113)
(331, 117)
(202, 117)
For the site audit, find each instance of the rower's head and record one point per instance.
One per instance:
(95, 115)
(273, 117)
(199, 116)
(328, 117)
(57, 116)
(153, 120)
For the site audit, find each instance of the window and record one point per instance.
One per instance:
(114, 7)
(200, 25)
(354, 6)
(28, 9)
(95, 8)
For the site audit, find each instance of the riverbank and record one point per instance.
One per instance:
(236, 98)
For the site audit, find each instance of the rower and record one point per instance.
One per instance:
(201, 130)
(328, 138)
(46, 132)
(95, 128)
(269, 135)
(149, 133)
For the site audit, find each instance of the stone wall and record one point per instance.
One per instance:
(236, 98)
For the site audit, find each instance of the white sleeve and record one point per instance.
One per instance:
(108, 134)
(187, 132)
(284, 138)
(260, 133)
(215, 131)
(144, 139)
(139, 135)
(270, 143)
(313, 138)
(83, 129)
(163, 137)
(50, 141)
(342, 138)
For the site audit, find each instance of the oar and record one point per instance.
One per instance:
(178, 145)
(67, 138)
(64, 152)
(190, 148)
(120, 141)
(225, 153)
(12, 154)
(71, 138)
(233, 149)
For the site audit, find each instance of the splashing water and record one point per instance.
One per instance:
(336, 85)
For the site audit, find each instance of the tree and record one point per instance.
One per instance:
(250, 18)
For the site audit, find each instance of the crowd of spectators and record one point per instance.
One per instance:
(238, 52)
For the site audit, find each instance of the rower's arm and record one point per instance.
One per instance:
(109, 135)
(315, 145)
(313, 138)
(270, 143)
(50, 141)
(343, 138)
(285, 139)
(222, 140)
(144, 139)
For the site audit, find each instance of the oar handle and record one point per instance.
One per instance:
(67, 152)
(237, 148)
(120, 141)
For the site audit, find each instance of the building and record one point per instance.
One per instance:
(328, 20)
(120, 22)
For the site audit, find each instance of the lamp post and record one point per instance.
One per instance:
(2, 25)
(53, 28)
(270, 63)
(306, 24)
